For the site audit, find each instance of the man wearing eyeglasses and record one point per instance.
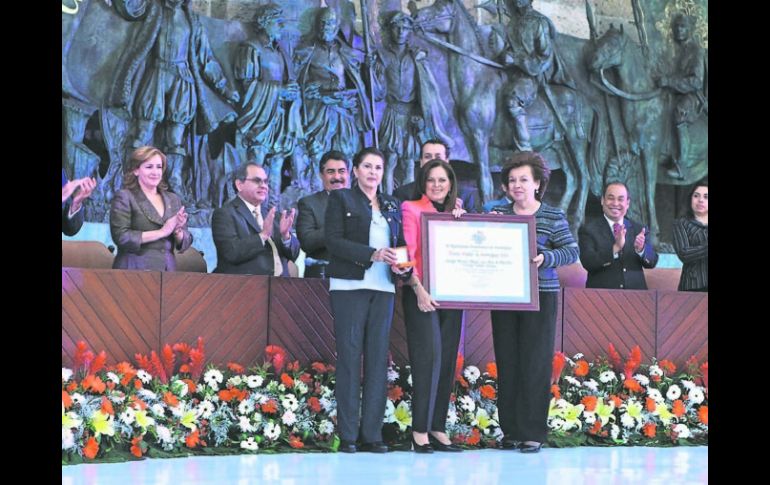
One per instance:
(248, 237)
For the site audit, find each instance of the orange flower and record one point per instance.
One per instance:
(556, 391)
(395, 393)
(228, 395)
(91, 448)
(463, 382)
(703, 415)
(237, 368)
(492, 370)
(650, 404)
(110, 385)
(615, 399)
(678, 408)
(94, 383)
(614, 356)
(318, 367)
(190, 385)
(558, 365)
(314, 404)
(488, 391)
(667, 366)
(270, 406)
(66, 400)
(459, 367)
(306, 378)
(581, 368)
(632, 385)
(590, 403)
(286, 380)
(474, 438)
(170, 399)
(295, 442)
(597, 426)
(192, 440)
(136, 447)
(107, 406)
(649, 430)
(137, 403)
(72, 386)
(137, 384)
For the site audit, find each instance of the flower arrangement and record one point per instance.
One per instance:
(172, 404)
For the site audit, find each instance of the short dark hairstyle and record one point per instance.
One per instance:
(540, 171)
(366, 151)
(435, 141)
(242, 171)
(700, 183)
(332, 155)
(616, 182)
(451, 197)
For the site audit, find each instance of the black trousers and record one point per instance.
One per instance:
(432, 339)
(523, 344)
(362, 320)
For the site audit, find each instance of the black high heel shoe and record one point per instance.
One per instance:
(439, 446)
(426, 448)
(525, 448)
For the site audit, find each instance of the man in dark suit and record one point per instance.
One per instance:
(248, 238)
(613, 248)
(428, 151)
(71, 215)
(334, 169)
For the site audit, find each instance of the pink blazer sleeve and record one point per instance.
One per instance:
(410, 214)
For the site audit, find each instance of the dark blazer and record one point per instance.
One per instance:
(132, 214)
(596, 240)
(70, 227)
(347, 221)
(240, 250)
(310, 229)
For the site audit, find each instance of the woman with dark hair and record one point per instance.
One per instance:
(691, 240)
(523, 341)
(432, 335)
(362, 226)
(147, 222)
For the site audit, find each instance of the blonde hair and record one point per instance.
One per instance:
(138, 157)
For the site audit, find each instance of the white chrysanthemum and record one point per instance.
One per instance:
(409, 379)
(561, 404)
(147, 395)
(300, 387)
(245, 407)
(289, 418)
(326, 427)
(144, 376)
(607, 376)
(655, 395)
(289, 401)
(77, 398)
(495, 415)
(572, 381)
(213, 378)
(627, 420)
(589, 417)
(614, 431)
(466, 402)
(696, 395)
(577, 356)
(655, 371)
(327, 404)
(245, 425)
(392, 374)
(67, 439)
(673, 392)
(326, 392)
(128, 415)
(205, 409)
(164, 434)
(642, 379)
(66, 374)
(260, 398)
(681, 431)
(257, 418)
(272, 431)
(390, 412)
(117, 397)
(178, 410)
(113, 377)
(254, 381)
(472, 373)
(687, 384)
(281, 387)
(158, 410)
(451, 417)
(591, 384)
(235, 381)
(179, 388)
(250, 444)
(557, 424)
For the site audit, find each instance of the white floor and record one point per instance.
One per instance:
(572, 466)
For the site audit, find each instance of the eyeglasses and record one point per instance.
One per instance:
(257, 181)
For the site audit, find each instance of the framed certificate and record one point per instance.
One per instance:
(480, 261)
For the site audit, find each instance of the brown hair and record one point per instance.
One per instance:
(536, 163)
(451, 196)
(138, 157)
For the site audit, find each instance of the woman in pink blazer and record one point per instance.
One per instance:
(432, 335)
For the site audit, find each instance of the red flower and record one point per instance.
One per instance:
(488, 391)
(703, 415)
(597, 426)
(667, 366)
(82, 356)
(614, 356)
(632, 385)
(295, 442)
(192, 440)
(72, 386)
(137, 403)
(615, 399)
(492, 370)
(474, 438)
(318, 367)
(650, 404)
(649, 430)
(98, 363)
(190, 385)
(94, 383)
(271, 406)
(136, 447)
(306, 378)
(91, 448)
(314, 404)
(678, 408)
(286, 380)
(107, 406)
(558, 365)
(237, 368)
(463, 382)
(589, 402)
(66, 400)
(168, 358)
(555, 391)
(459, 367)
(581, 368)
(276, 356)
(704, 368)
(395, 393)
(170, 399)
